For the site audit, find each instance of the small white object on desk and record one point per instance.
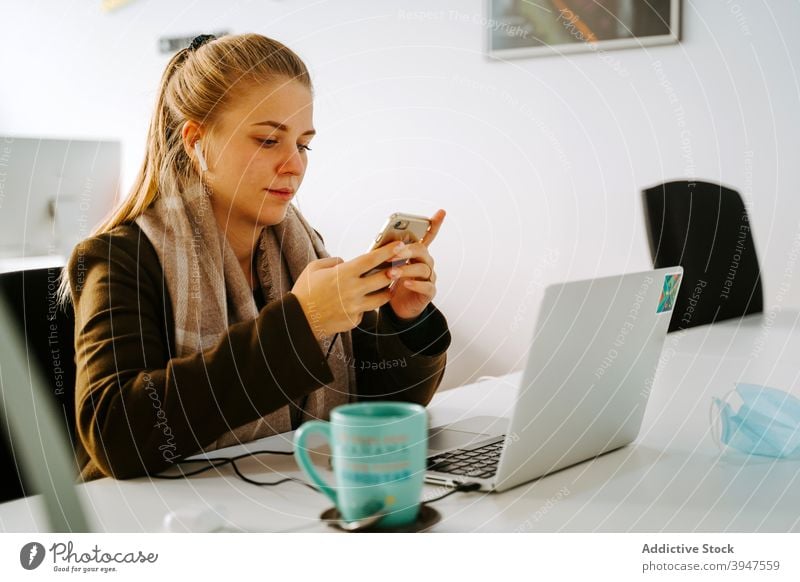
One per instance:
(195, 519)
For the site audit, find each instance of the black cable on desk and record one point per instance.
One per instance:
(462, 487)
(223, 461)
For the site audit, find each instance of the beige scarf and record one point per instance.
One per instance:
(209, 292)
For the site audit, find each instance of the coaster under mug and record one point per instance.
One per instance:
(426, 518)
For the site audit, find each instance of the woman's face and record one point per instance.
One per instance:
(256, 154)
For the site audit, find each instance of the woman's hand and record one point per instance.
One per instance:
(334, 295)
(416, 281)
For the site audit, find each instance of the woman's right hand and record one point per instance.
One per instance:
(334, 295)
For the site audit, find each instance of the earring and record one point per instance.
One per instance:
(200, 158)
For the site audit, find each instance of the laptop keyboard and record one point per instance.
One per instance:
(480, 462)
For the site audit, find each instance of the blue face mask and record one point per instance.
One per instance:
(767, 423)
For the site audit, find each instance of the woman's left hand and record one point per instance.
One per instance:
(416, 280)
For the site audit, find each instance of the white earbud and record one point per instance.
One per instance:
(200, 158)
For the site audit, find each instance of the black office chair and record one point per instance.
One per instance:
(49, 335)
(704, 228)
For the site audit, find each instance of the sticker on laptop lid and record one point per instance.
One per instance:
(668, 293)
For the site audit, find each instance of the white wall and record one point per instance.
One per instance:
(539, 162)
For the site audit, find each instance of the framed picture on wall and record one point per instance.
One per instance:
(526, 28)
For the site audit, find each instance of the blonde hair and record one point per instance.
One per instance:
(197, 84)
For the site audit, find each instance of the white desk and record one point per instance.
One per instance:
(671, 479)
(11, 264)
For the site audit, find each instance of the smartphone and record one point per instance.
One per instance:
(408, 228)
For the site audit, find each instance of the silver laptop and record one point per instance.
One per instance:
(583, 391)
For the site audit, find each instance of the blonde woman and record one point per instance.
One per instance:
(207, 310)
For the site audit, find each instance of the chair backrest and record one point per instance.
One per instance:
(704, 228)
(49, 338)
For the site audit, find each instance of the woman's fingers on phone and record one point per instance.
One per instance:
(436, 223)
(420, 270)
(370, 260)
(425, 288)
(419, 253)
(375, 300)
(374, 282)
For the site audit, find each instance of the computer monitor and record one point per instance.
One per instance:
(53, 192)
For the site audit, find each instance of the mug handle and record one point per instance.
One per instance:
(301, 454)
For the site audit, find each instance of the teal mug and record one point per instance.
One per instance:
(378, 452)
